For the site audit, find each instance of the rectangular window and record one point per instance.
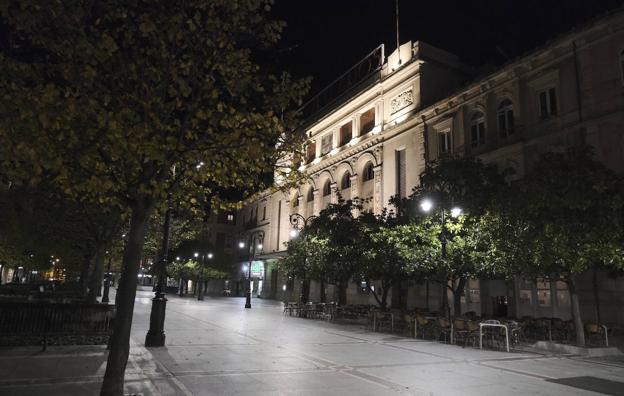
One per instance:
(310, 152)
(346, 133)
(525, 297)
(548, 103)
(444, 143)
(326, 143)
(367, 121)
(563, 296)
(477, 134)
(474, 291)
(401, 188)
(544, 298)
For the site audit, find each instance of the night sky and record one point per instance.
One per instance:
(323, 38)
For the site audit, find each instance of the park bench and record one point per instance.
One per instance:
(42, 323)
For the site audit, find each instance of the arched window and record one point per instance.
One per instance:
(505, 118)
(477, 129)
(311, 194)
(346, 181)
(368, 173)
(327, 188)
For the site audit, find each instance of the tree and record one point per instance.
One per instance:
(469, 184)
(39, 223)
(105, 98)
(563, 218)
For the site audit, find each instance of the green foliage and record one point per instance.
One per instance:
(572, 221)
(128, 103)
(113, 102)
(36, 224)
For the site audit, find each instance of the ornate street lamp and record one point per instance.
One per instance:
(255, 244)
(107, 279)
(299, 223)
(427, 205)
(200, 283)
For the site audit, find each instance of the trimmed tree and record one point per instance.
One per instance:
(469, 184)
(562, 219)
(104, 99)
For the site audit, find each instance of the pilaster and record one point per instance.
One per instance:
(377, 192)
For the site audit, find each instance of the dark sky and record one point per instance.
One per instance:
(323, 38)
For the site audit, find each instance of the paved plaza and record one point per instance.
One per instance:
(216, 347)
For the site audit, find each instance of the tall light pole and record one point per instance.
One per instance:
(427, 205)
(200, 281)
(156, 334)
(299, 223)
(255, 244)
(107, 279)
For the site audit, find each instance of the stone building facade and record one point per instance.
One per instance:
(375, 143)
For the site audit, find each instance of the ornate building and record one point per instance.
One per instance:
(373, 140)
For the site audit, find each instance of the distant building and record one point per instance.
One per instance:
(374, 139)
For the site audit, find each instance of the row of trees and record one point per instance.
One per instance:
(561, 219)
(142, 107)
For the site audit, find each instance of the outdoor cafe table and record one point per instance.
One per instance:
(493, 323)
(385, 313)
(429, 318)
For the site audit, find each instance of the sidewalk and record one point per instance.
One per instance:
(216, 347)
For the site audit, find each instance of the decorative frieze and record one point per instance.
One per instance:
(401, 101)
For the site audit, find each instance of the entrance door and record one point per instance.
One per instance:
(499, 306)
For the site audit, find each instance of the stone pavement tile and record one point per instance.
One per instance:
(535, 388)
(64, 389)
(308, 383)
(232, 358)
(364, 354)
(456, 352)
(287, 337)
(561, 367)
(205, 337)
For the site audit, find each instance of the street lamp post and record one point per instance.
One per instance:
(298, 223)
(255, 241)
(107, 280)
(200, 282)
(427, 205)
(156, 334)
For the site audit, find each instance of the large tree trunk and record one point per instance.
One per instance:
(84, 274)
(97, 275)
(596, 294)
(457, 294)
(181, 288)
(323, 294)
(576, 312)
(113, 384)
(384, 293)
(371, 290)
(444, 303)
(342, 292)
(305, 290)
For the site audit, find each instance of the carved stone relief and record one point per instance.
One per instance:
(401, 101)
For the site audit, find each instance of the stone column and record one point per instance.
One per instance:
(355, 126)
(354, 191)
(300, 205)
(334, 192)
(377, 192)
(379, 114)
(317, 202)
